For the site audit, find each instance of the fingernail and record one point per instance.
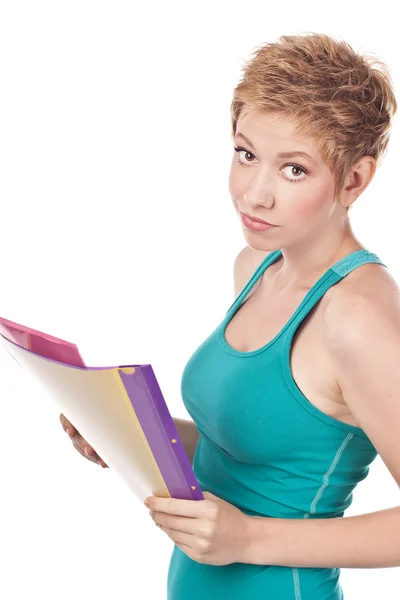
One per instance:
(68, 431)
(86, 451)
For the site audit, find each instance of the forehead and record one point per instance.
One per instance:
(260, 126)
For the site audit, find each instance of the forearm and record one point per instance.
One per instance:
(363, 541)
(189, 436)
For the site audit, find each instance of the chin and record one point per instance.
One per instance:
(261, 246)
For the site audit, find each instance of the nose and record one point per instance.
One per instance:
(257, 199)
(259, 192)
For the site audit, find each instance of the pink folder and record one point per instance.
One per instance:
(120, 411)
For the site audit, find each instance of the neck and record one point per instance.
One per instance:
(304, 263)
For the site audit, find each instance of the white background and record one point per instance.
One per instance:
(118, 233)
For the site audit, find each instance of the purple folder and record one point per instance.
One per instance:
(120, 411)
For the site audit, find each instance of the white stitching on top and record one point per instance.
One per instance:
(297, 592)
(328, 474)
(318, 495)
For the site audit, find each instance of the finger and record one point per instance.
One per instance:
(85, 447)
(89, 451)
(95, 457)
(188, 543)
(81, 451)
(75, 436)
(185, 525)
(79, 448)
(67, 425)
(186, 549)
(90, 454)
(177, 506)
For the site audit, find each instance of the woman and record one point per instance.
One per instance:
(296, 392)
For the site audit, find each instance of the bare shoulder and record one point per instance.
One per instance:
(368, 290)
(246, 262)
(361, 324)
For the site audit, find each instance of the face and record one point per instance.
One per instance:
(296, 193)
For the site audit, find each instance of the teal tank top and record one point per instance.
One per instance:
(266, 449)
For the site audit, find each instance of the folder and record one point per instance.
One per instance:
(120, 411)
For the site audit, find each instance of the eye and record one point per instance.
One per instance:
(298, 168)
(292, 165)
(239, 150)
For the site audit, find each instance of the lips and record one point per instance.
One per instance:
(258, 220)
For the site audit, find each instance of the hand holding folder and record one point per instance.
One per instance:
(120, 411)
(80, 444)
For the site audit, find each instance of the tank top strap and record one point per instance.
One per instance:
(334, 274)
(263, 266)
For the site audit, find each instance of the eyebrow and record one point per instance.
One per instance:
(281, 154)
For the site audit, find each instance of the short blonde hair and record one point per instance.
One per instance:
(334, 95)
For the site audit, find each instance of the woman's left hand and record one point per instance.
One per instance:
(210, 531)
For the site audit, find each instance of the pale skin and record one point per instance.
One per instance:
(314, 232)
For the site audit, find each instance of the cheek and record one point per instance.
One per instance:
(232, 183)
(236, 182)
(310, 207)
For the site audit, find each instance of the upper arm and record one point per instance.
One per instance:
(363, 342)
(244, 266)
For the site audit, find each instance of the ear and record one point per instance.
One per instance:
(358, 179)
